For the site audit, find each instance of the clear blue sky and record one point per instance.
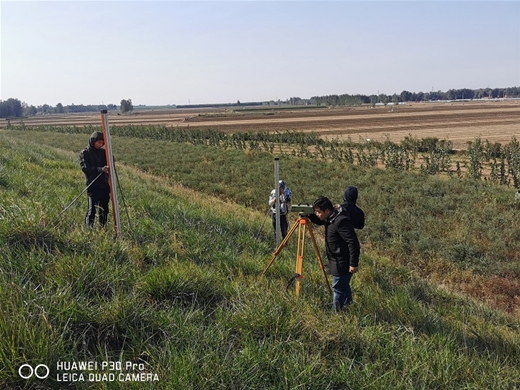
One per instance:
(175, 52)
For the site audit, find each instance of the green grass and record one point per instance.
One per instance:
(181, 291)
(472, 223)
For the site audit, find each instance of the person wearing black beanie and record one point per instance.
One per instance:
(93, 163)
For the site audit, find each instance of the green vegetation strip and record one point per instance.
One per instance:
(274, 109)
(494, 162)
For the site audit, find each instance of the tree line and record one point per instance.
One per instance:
(14, 108)
(407, 96)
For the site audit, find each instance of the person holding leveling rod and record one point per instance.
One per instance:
(342, 248)
(93, 163)
(284, 197)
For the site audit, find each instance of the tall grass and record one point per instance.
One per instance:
(181, 291)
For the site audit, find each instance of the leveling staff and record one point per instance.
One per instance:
(284, 197)
(93, 163)
(342, 248)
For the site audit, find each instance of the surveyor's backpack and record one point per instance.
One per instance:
(355, 213)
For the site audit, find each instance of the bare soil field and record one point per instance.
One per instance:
(458, 122)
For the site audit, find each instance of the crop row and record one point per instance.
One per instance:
(482, 160)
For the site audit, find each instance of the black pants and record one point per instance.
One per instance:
(97, 199)
(283, 225)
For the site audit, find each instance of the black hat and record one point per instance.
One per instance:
(96, 136)
(350, 195)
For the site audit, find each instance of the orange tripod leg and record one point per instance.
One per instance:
(319, 257)
(299, 255)
(280, 247)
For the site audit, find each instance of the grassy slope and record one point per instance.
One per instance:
(462, 233)
(182, 293)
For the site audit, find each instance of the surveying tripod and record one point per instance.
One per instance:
(302, 223)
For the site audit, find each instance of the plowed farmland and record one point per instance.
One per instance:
(457, 122)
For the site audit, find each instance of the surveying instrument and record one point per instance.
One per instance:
(303, 224)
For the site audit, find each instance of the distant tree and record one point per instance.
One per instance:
(451, 94)
(405, 96)
(512, 92)
(466, 93)
(395, 99)
(294, 101)
(45, 108)
(437, 95)
(59, 108)
(333, 100)
(238, 102)
(496, 93)
(373, 100)
(29, 110)
(11, 108)
(126, 105)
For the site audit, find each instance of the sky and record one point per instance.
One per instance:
(200, 52)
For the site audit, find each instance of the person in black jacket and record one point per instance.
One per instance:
(349, 206)
(342, 248)
(93, 163)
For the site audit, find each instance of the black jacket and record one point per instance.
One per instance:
(92, 161)
(341, 242)
(349, 207)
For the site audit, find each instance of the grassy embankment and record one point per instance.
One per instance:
(459, 232)
(181, 292)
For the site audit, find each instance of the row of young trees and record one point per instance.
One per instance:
(498, 163)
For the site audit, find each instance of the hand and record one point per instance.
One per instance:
(105, 169)
(353, 270)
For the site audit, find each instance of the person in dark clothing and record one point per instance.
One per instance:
(342, 247)
(349, 206)
(94, 165)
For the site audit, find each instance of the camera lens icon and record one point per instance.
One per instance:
(26, 371)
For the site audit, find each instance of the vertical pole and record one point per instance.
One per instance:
(111, 173)
(278, 231)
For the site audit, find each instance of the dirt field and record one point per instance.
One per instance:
(458, 122)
